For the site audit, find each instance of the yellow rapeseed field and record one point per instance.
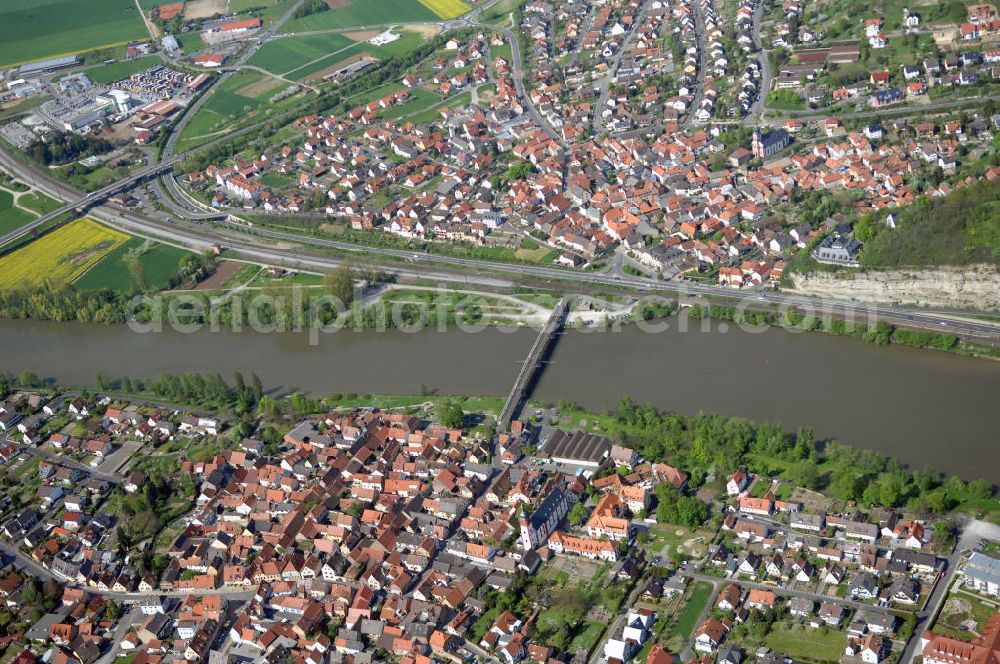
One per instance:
(61, 256)
(446, 8)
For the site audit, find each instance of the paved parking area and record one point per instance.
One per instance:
(119, 457)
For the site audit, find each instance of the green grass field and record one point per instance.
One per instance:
(810, 645)
(38, 29)
(297, 58)
(190, 42)
(700, 595)
(120, 70)
(282, 56)
(238, 6)
(587, 637)
(159, 262)
(222, 111)
(363, 13)
(39, 202)
(429, 109)
(11, 218)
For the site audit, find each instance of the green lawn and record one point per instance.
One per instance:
(502, 51)
(120, 70)
(408, 40)
(282, 56)
(806, 644)
(190, 42)
(673, 536)
(429, 109)
(696, 603)
(223, 110)
(363, 13)
(159, 263)
(36, 29)
(39, 202)
(277, 180)
(11, 218)
(959, 607)
(784, 100)
(586, 637)
(238, 6)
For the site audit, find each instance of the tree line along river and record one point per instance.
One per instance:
(925, 408)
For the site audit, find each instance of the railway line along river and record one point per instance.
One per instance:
(927, 409)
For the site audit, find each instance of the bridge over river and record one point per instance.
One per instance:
(532, 366)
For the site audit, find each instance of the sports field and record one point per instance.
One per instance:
(356, 13)
(61, 256)
(37, 29)
(446, 9)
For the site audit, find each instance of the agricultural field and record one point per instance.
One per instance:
(119, 70)
(287, 56)
(61, 256)
(446, 9)
(158, 261)
(356, 13)
(307, 57)
(37, 29)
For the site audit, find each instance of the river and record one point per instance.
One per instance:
(927, 409)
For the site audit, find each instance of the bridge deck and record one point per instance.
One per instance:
(531, 366)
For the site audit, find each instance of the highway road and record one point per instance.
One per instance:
(79, 201)
(258, 244)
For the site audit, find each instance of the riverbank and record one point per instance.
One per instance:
(294, 306)
(707, 446)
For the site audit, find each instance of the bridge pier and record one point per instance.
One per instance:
(531, 368)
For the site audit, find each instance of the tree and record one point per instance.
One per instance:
(519, 171)
(575, 516)
(865, 227)
(27, 379)
(805, 473)
(450, 414)
(890, 490)
(846, 484)
(268, 407)
(339, 283)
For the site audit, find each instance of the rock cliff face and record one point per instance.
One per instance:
(974, 287)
